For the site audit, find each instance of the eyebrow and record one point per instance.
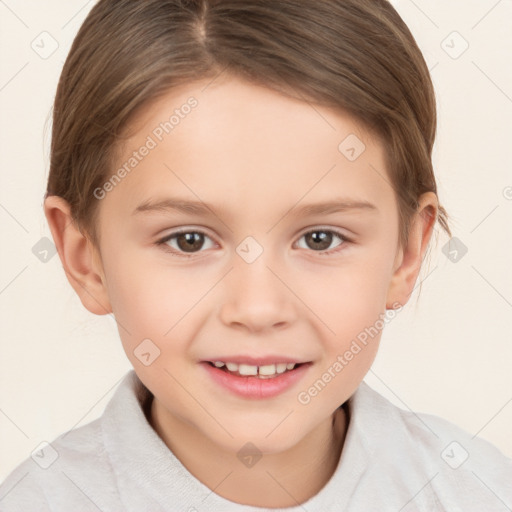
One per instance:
(204, 209)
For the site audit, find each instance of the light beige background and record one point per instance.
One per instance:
(449, 355)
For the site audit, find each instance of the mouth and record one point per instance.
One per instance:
(256, 379)
(264, 371)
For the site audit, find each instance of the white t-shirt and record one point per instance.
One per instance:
(392, 460)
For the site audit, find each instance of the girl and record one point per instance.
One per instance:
(248, 188)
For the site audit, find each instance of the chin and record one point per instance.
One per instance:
(278, 441)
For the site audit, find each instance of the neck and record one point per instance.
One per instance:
(284, 479)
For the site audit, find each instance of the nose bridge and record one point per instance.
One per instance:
(255, 295)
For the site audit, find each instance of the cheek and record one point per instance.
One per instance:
(148, 298)
(349, 295)
(141, 281)
(350, 300)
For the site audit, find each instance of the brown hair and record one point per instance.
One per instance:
(354, 55)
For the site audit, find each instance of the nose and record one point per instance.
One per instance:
(256, 296)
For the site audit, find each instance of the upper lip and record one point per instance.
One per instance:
(256, 361)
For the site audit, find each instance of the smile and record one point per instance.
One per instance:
(267, 371)
(251, 381)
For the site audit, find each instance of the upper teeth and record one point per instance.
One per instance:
(247, 369)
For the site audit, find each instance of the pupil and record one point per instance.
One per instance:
(190, 241)
(323, 240)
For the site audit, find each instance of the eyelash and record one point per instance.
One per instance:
(163, 242)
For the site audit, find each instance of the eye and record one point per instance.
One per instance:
(321, 239)
(184, 241)
(187, 242)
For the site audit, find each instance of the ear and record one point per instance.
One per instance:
(411, 256)
(80, 259)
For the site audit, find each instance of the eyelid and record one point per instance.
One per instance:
(318, 227)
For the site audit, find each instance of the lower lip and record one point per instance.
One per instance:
(254, 387)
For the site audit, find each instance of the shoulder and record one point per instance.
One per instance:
(75, 471)
(69, 470)
(461, 470)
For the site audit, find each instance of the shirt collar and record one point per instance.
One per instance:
(146, 468)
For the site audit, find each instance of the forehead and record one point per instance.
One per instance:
(247, 145)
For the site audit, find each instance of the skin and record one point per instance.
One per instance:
(256, 156)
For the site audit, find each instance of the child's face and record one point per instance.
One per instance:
(256, 158)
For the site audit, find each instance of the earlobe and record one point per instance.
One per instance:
(78, 256)
(412, 255)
